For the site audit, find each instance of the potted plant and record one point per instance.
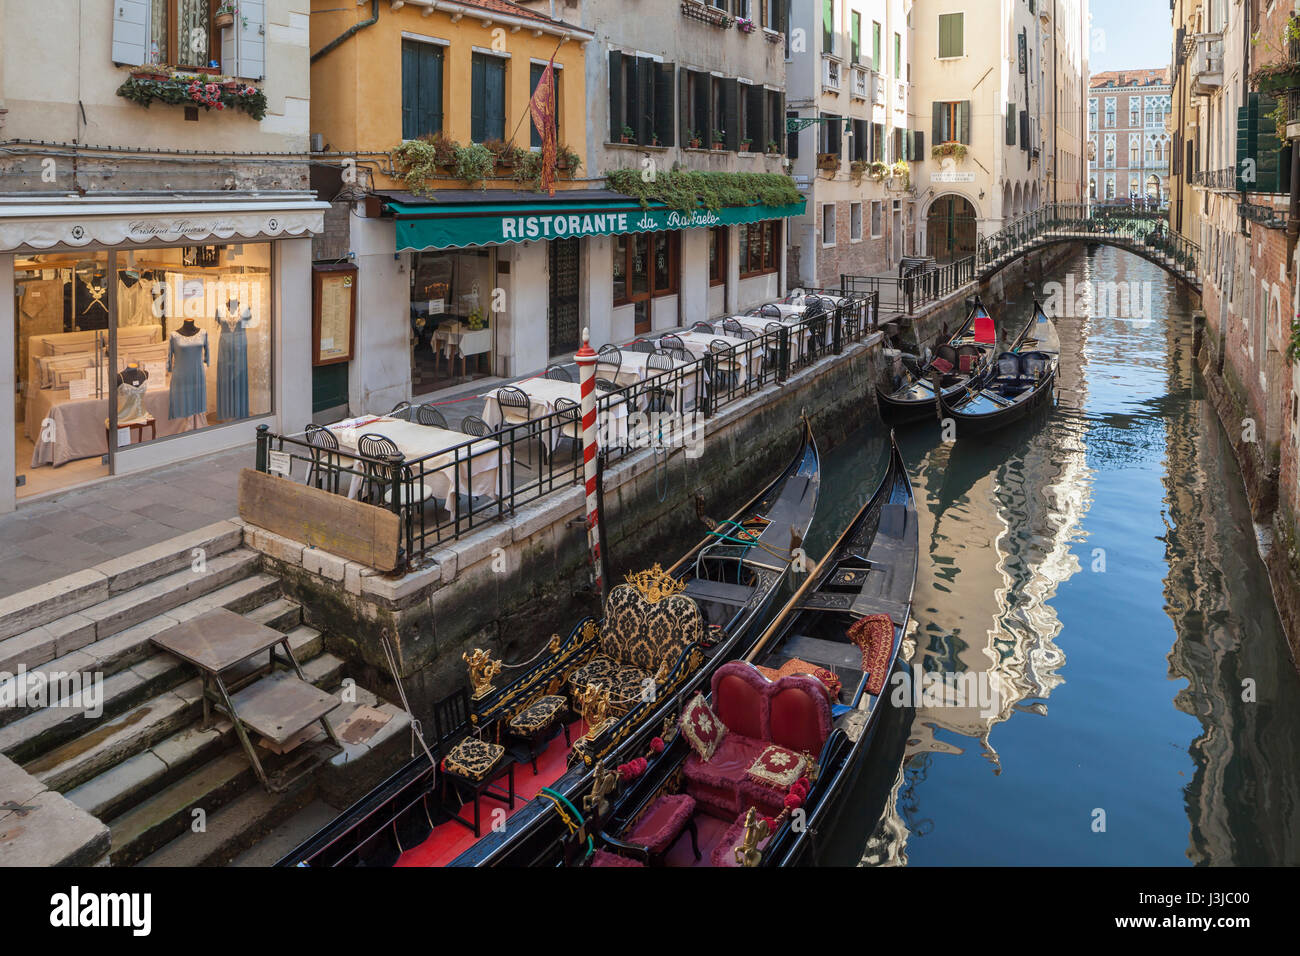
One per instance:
(955, 150)
(474, 163)
(856, 169)
(627, 135)
(654, 139)
(744, 145)
(693, 138)
(572, 161)
(878, 170)
(773, 147)
(225, 15)
(903, 171)
(505, 154)
(155, 73)
(744, 25)
(719, 139)
(828, 160)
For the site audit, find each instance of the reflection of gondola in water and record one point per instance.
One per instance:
(1020, 381)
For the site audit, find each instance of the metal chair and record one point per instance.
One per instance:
(731, 327)
(427, 414)
(605, 385)
(324, 467)
(558, 373)
(747, 334)
(408, 492)
(772, 351)
(516, 409)
(401, 411)
(640, 345)
(703, 327)
(608, 362)
(661, 362)
(671, 343)
(726, 367)
(568, 422)
(473, 425)
(770, 311)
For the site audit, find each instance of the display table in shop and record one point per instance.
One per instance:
(65, 429)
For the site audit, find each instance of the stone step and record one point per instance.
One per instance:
(65, 596)
(293, 832)
(38, 730)
(121, 612)
(166, 814)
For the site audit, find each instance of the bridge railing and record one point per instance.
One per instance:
(1140, 225)
(916, 287)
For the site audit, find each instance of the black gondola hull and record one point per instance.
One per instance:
(980, 424)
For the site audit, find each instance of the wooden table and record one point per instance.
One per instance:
(276, 707)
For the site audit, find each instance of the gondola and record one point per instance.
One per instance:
(964, 358)
(706, 609)
(785, 728)
(1023, 380)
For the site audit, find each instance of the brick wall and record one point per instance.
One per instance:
(335, 241)
(864, 257)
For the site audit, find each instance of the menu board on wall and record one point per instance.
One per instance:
(334, 313)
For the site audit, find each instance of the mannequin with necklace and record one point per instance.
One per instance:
(232, 362)
(187, 360)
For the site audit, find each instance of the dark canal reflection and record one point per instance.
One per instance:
(1097, 569)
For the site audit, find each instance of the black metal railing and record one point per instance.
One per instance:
(447, 494)
(1215, 178)
(1135, 224)
(914, 288)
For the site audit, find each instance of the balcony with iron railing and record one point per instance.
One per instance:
(1215, 178)
(1207, 64)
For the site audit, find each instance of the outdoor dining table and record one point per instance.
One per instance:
(635, 369)
(487, 471)
(542, 393)
(697, 343)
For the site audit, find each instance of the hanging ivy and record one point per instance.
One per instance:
(689, 190)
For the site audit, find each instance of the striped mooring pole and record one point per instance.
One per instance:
(586, 359)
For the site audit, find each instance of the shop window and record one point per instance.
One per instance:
(421, 89)
(717, 256)
(646, 265)
(188, 346)
(487, 98)
(451, 317)
(759, 245)
(535, 76)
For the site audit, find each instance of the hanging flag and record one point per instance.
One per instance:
(542, 109)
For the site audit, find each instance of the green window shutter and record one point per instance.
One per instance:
(1267, 146)
(936, 130)
(494, 115)
(478, 99)
(951, 34)
(756, 128)
(1011, 123)
(959, 33)
(665, 115)
(421, 89)
(918, 145)
(828, 24)
(615, 95)
(963, 122)
(898, 57)
(646, 68)
(410, 90)
(703, 86)
(684, 106)
(856, 40)
(731, 114)
(875, 48)
(1247, 168)
(1024, 129)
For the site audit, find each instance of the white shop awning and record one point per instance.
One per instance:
(43, 223)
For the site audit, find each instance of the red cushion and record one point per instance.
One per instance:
(605, 858)
(874, 635)
(768, 800)
(800, 716)
(724, 854)
(663, 822)
(715, 782)
(984, 330)
(703, 730)
(943, 365)
(739, 704)
(967, 362)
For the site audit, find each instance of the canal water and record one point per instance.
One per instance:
(1130, 697)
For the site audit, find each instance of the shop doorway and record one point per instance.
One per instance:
(451, 318)
(563, 310)
(950, 228)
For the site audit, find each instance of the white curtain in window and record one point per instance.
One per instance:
(194, 33)
(158, 33)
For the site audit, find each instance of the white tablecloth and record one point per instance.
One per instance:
(542, 393)
(697, 343)
(487, 472)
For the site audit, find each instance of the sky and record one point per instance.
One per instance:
(1129, 34)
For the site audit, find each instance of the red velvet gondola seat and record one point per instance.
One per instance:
(606, 858)
(792, 712)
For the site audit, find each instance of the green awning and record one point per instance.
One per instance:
(437, 225)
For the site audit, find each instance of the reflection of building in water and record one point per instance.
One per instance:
(1241, 799)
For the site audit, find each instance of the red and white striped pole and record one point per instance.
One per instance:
(586, 359)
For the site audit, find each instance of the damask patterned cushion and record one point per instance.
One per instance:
(597, 670)
(642, 634)
(702, 728)
(796, 666)
(874, 635)
(777, 767)
(536, 715)
(472, 758)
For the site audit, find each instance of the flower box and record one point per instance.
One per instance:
(223, 20)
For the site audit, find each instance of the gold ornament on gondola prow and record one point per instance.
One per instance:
(482, 669)
(593, 704)
(604, 783)
(655, 585)
(756, 831)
